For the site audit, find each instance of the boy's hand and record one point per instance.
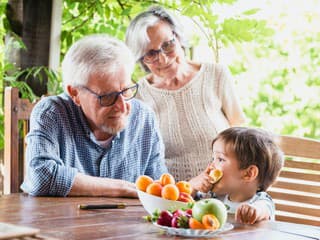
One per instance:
(251, 213)
(247, 214)
(202, 182)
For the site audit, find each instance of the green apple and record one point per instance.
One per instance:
(210, 206)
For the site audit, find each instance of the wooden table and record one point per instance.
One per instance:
(60, 218)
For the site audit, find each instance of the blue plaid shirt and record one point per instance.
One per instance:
(60, 144)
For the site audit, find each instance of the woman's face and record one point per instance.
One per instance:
(168, 64)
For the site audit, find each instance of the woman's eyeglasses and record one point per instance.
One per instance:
(109, 99)
(153, 55)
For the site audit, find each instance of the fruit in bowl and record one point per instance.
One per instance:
(164, 193)
(210, 206)
(206, 214)
(151, 203)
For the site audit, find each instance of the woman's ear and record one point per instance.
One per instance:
(74, 94)
(250, 173)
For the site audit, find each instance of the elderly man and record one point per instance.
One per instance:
(95, 139)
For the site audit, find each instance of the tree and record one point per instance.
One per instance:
(113, 16)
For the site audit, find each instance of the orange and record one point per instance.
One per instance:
(170, 192)
(143, 182)
(167, 178)
(154, 189)
(184, 186)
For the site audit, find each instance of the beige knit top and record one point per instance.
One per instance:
(191, 117)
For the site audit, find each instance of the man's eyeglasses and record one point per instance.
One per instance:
(167, 47)
(109, 99)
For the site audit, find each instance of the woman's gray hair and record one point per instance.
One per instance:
(137, 37)
(95, 54)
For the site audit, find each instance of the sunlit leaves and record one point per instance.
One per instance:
(243, 30)
(226, 1)
(113, 16)
(251, 11)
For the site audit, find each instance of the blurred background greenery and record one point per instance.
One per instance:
(271, 47)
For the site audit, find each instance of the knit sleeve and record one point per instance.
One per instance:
(230, 102)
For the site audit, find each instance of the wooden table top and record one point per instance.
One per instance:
(60, 218)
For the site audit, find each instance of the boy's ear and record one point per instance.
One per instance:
(250, 173)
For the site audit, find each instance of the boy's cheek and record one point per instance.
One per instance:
(218, 188)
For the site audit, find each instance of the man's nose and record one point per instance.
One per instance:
(120, 103)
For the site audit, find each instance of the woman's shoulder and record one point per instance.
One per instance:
(214, 67)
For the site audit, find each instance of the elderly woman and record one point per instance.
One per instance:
(193, 101)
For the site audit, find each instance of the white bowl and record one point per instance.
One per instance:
(151, 203)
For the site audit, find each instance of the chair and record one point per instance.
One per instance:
(16, 110)
(297, 190)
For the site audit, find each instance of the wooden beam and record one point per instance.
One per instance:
(54, 54)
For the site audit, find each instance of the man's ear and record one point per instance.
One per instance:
(74, 94)
(250, 173)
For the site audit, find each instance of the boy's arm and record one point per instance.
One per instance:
(261, 208)
(202, 182)
(251, 213)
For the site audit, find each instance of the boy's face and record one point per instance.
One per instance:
(231, 182)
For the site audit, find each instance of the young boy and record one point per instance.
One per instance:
(250, 161)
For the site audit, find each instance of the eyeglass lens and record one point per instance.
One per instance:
(166, 47)
(111, 98)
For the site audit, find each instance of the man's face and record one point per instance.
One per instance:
(104, 121)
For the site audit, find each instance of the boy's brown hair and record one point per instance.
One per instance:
(254, 147)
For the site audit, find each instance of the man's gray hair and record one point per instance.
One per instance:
(95, 54)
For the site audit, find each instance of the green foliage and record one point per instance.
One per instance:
(14, 76)
(113, 16)
(243, 30)
(276, 99)
(285, 100)
(3, 68)
(18, 79)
